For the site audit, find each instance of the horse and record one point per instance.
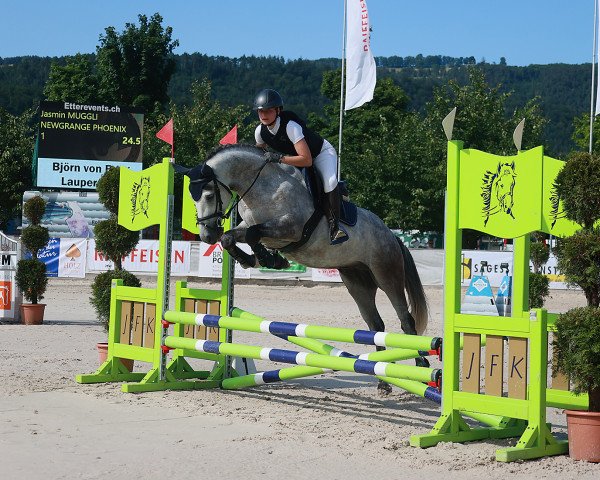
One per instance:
(275, 205)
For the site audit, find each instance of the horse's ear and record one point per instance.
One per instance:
(181, 169)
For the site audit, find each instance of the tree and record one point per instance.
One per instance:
(200, 126)
(134, 67)
(16, 149)
(75, 81)
(482, 122)
(381, 149)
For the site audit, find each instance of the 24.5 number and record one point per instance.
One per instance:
(131, 141)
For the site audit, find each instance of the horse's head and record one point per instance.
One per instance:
(211, 198)
(505, 186)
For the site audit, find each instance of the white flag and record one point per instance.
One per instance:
(596, 30)
(360, 64)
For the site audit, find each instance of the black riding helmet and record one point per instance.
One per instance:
(267, 98)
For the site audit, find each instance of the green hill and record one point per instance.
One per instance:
(563, 89)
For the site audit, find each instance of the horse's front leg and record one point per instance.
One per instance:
(229, 241)
(279, 228)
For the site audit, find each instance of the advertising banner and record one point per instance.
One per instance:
(495, 271)
(210, 261)
(325, 275)
(78, 143)
(64, 257)
(143, 259)
(10, 296)
(69, 214)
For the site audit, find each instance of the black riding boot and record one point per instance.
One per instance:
(333, 199)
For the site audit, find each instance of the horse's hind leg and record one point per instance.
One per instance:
(362, 288)
(389, 275)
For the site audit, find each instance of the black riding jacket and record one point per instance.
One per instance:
(281, 142)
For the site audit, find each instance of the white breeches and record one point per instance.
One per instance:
(326, 165)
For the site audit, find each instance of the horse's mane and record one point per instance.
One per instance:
(234, 146)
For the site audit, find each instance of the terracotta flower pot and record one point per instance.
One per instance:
(584, 435)
(103, 354)
(32, 314)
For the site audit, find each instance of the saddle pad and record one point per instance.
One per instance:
(348, 213)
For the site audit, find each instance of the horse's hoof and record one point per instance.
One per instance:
(384, 389)
(281, 263)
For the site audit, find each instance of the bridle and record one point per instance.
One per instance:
(218, 213)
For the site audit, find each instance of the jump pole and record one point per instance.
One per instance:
(363, 337)
(421, 374)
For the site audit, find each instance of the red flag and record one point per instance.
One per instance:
(166, 135)
(230, 137)
(166, 132)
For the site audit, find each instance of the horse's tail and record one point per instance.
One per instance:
(414, 288)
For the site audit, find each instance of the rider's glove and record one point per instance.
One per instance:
(273, 157)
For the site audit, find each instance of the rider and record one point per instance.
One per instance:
(295, 144)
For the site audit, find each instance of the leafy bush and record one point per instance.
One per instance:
(101, 288)
(31, 279)
(539, 254)
(35, 237)
(577, 350)
(34, 209)
(578, 185)
(108, 189)
(539, 289)
(31, 273)
(579, 260)
(114, 241)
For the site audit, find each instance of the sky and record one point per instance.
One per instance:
(523, 31)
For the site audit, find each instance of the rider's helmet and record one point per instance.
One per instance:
(267, 98)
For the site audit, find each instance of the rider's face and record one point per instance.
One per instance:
(267, 115)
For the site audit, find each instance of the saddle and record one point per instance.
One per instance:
(348, 211)
(314, 184)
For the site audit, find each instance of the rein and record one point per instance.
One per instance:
(222, 216)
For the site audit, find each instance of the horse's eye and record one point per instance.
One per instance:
(209, 196)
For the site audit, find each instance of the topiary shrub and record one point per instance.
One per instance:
(579, 260)
(539, 253)
(578, 185)
(539, 285)
(101, 288)
(35, 237)
(114, 241)
(34, 209)
(539, 289)
(108, 189)
(31, 273)
(576, 351)
(31, 279)
(577, 335)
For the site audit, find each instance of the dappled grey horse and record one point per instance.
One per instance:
(275, 206)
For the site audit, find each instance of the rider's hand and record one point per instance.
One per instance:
(273, 157)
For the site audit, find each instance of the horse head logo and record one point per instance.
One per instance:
(497, 190)
(140, 196)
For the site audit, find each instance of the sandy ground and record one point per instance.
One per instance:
(335, 426)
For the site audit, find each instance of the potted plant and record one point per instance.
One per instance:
(577, 337)
(31, 272)
(114, 242)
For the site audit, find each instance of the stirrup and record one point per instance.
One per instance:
(340, 236)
